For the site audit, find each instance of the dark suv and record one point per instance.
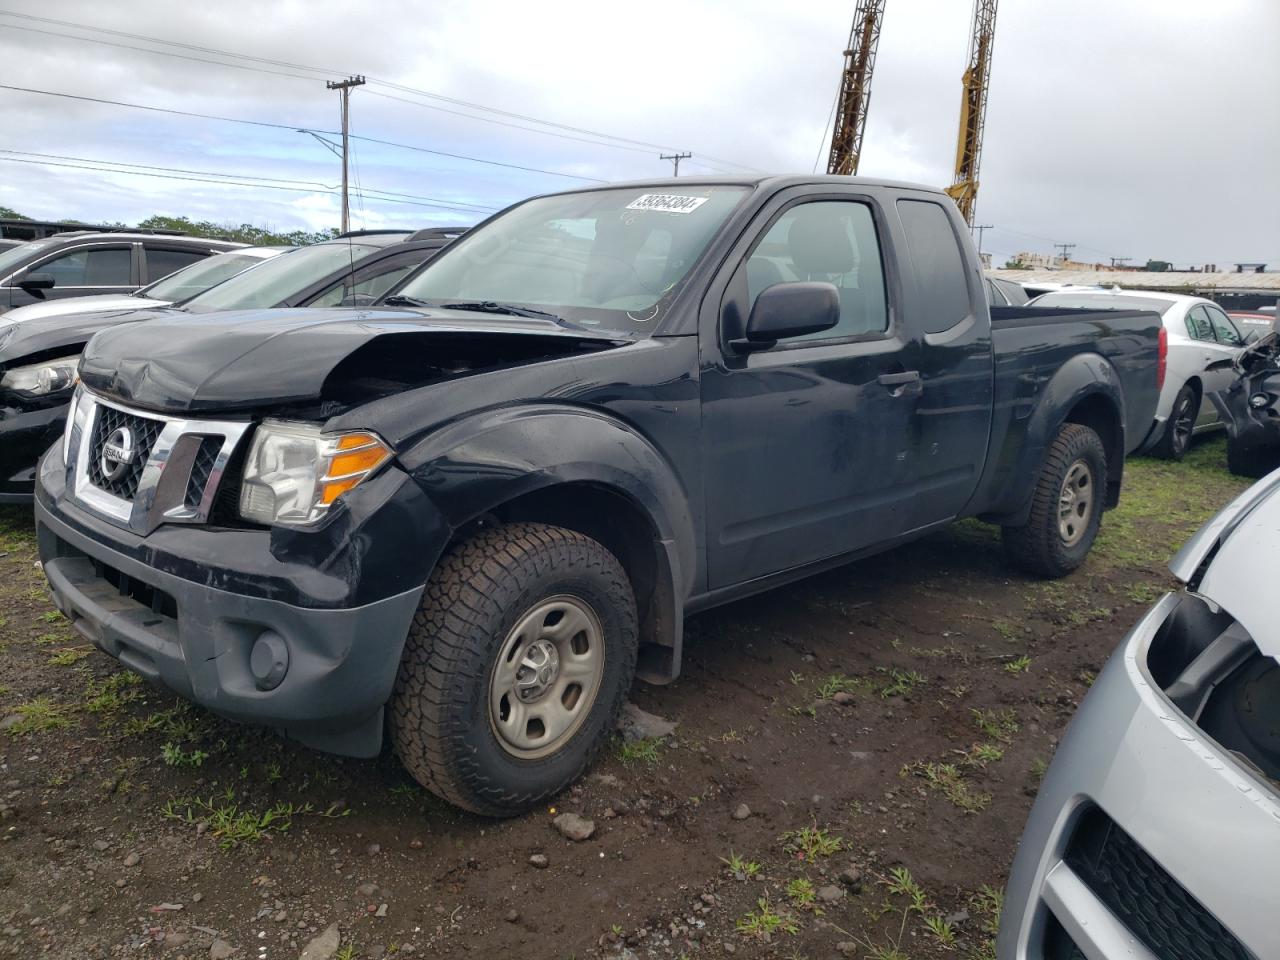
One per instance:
(88, 262)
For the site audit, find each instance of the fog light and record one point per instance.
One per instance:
(1260, 401)
(269, 660)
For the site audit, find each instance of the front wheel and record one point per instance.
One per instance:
(1066, 509)
(516, 667)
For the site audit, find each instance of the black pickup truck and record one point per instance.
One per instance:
(471, 514)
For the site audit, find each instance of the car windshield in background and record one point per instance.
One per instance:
(199, 277)
(1102, 301)
(279, 278)
(611, 259)
(10, 258)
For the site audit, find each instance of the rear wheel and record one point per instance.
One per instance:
(1181, 424)
(516, 667)
(1252, 462)
(1066, 509)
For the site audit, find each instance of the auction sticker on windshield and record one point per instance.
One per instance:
(666, 203)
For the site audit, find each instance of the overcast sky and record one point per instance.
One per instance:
(1138, 128)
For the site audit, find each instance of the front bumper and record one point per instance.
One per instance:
(185, 606)
(24, 435)
(1200, 836)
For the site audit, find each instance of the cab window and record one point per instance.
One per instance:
(833, 241)
(1223, 328)
(94, 267)
(1198, 325)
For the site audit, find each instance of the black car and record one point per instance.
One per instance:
(38, 357)
(471, 514)
(88, 262)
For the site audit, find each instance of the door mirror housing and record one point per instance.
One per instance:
(790, 310)
(33, 283)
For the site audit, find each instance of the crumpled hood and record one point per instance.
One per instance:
(37, 335)
(255, 358)
(1231, 561)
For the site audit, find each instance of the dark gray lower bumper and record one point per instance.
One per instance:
(195, 640)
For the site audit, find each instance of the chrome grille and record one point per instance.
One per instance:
(142, 433)
(157, 469)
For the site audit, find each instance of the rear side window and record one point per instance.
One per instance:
(995, 296)
(161, 263)
(1223, 328)
(97, 267)
(833, 241)
(939, 268)
(1198, 325)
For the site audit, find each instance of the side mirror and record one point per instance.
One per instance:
(790, 310)
(33, 283)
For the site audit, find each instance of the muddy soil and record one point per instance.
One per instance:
(844, 745)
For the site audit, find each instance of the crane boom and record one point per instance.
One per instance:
(973, 108)
(855, 88)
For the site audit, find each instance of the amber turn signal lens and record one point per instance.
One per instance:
(356, 461)
(330, 490)
(350, 441)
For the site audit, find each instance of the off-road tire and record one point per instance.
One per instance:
(1038, 546)
(1170, 446)
(439, 718)
(1251, 462)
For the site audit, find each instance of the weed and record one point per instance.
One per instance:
(947, 780)
(49, 639)
(346, 953)
(640, 751)
(273, 773)
(175, 756)
(1018, 665)
(999, 725)
(50, 616)
(900, 682)
(40, 715)
(839, 683)
(943, 931)
(1008, 630)
(1039, 767)
(801, 893)
(1087, 677)
(980, 754)
(899, 883)
(809, 843)
(740, 868)
(231, 825)
(729, 736)
(763, 921)
(796, 678)
(113, 693)
(809, 711)
(69, 657)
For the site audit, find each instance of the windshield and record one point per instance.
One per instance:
(9, 259)
(280, 278)
(1102, 301)
(612, 259)
(199, 277)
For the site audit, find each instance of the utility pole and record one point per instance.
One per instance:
(1066, 249)
(344, 92)
(1119, 261)
(981, 228)
(675, 159)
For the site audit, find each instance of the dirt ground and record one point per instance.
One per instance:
(855, 758)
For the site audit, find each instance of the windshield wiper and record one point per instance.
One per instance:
(506, 309)
(400, 300)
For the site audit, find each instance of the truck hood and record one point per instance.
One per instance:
(1231, 561)
(253, 359)
(40, 335)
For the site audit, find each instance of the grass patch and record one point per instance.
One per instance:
(999, 725)
(175, 756)
(839, 683)
(741, 869)
(41, 715)
(810, 843)
(233, 825)
(109, 696)
(764, 921)
(946, 778)
(645, 751)
(1018, 665)
(69, 657)
(801, 893)
(899, 682)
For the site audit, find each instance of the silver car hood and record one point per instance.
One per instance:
(67, 306)
(1230, 561)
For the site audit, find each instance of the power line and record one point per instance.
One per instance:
(296, 129)
(403, 88)
(202, 176)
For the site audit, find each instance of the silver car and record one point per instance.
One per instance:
(1156, 834)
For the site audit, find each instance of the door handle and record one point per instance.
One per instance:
(904, 383)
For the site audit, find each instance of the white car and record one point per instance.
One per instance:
(1198, 335)
(176, 287)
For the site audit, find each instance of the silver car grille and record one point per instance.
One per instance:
(139, 469)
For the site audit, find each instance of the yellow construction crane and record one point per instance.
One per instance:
(973, 109)
(855, 88)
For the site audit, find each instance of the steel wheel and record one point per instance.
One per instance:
(546, 679)
(1075, 503)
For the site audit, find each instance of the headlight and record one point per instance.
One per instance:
(42, 379)
(294, 473)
